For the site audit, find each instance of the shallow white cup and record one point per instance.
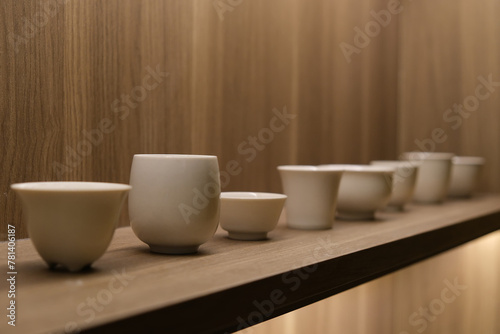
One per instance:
(433, 177)
(71, 223)
(403, 182)
(312, 196)
(363, 190)
(174, 201)
(465, 172)
(250, 215)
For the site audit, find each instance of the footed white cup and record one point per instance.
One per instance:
(363, 190)
(71, 223)
(403, 182)
(433, 177)
(250, 215)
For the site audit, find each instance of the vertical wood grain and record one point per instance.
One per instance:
(227, 80)
(444, 47)
(31, 98)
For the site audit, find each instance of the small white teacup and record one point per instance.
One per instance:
(71, 223)
(433, 177)
(465, 173)
(312, 195)
(174, 201)
(363, 190)
(403, 182)
(250, 215)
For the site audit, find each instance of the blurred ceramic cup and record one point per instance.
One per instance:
(465, 173)
(174, 201)
(312, 195)
(403, 182)
(433, 177)
(363, 190)
(71, 223)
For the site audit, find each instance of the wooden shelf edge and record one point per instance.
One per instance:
(297, 288)
(231, 285)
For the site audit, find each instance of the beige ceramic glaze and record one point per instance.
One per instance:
(363, 190)
(433, 177)
(250, 215)
(312, 196)
(174, 202)
(465, 173)
(71, 223)
(403, 182)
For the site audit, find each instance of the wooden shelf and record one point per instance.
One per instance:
(220, 288)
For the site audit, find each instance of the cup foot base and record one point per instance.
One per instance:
(460, 195)
(247, 236)
(174, 250)
(394, 208)
(428, 202)
(309, 227)
(356, 215)
(69, 267)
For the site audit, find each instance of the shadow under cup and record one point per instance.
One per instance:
(174, 201)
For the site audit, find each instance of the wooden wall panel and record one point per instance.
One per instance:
(84, 69)
(31, 99)
(225, 78)
(444, 47)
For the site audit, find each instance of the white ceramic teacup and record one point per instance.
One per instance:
(250, 215)
(363, 190)
(71, 223)
(403, 182)
(433, 177)
(174, 201)
(465, 173)
(312, 195)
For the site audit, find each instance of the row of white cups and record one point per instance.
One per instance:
(175, 202)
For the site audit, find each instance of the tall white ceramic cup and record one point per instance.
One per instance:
(312, 196)
(174, 201)
(433, 177)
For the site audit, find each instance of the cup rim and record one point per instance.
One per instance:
(362, 168)
(173, 156)
(422, 156)
(308, 168)
(394, 163)
(251, 195)
(468, 160)
(70, 186)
